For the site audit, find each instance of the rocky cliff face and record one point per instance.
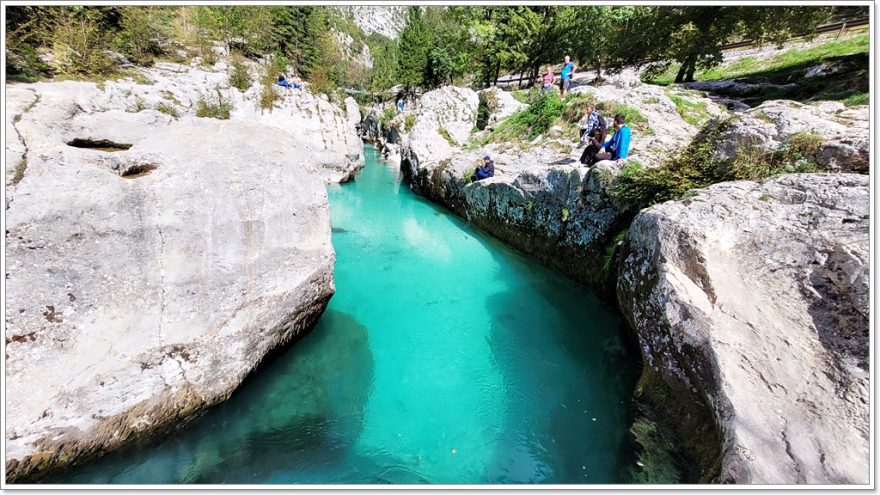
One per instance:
(154, 259)
(386, 20)
(753, 298)
(749, 299)
(541, 200)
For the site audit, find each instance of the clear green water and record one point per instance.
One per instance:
(443, 357)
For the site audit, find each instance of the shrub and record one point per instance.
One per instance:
(409, 122)
(268, 94)
(239, 77)
(695, 167)
(215, 108)
(634, 118)
(78, 43)
(386, 118)
(797, 155)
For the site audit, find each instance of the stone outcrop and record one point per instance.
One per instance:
(499, 105)
(844, 141)
(154, 257)
(753, 299)
(385, 20)
(443, 122)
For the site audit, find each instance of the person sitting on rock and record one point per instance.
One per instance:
(547, 81)
(283, 82)
(589, 123)
(485, 171)
(595, 138)
(618, 147)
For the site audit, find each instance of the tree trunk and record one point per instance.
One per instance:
(687, 67)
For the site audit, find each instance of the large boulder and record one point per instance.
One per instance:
(444, 119)
(752, 298)
(841, 133)
(152, 261)
(499, 105)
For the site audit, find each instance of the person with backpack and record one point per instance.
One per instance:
(595, 135)
(618, 147)
(566, 74)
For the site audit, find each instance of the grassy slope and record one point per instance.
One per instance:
(849, 84)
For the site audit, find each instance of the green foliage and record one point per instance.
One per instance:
(167, 109)
(532, 121)
(634, 118)
(408, 122)
(657, 456)
(142, 28)
(239, 77)
(611, 252)
(693, 112)
(857, 99)
(414, 42)
(386, 118)
(78, 42)
(637, 187)
(566, 214)
(694, 35)
(448, 137)
(213, 107)
(797, 155)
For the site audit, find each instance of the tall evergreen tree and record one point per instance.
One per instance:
(414, 42)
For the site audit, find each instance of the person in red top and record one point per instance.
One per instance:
(547, 81)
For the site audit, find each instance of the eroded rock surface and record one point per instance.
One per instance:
(753, 298)
(153, 259)
(842, 132)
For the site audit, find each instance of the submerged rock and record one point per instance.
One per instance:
(153, 259)
(752, 299)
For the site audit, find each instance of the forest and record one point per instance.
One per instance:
(465, 45)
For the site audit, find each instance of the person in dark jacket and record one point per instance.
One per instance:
(486, 171)
(594, 137)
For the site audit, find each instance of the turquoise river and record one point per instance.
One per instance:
(443, 357)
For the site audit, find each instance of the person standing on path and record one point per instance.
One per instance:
(547, 81)
(566, 74)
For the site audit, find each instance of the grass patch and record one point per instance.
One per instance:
(857, 99)
(849, 59)
(18, 174)
(167, 109)
(797, 155)
(613, 248)
(532, 121)
(634, 118)
(213, 107)
(693, 112)
(449, 139)
(140, 78)
(652, 100)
